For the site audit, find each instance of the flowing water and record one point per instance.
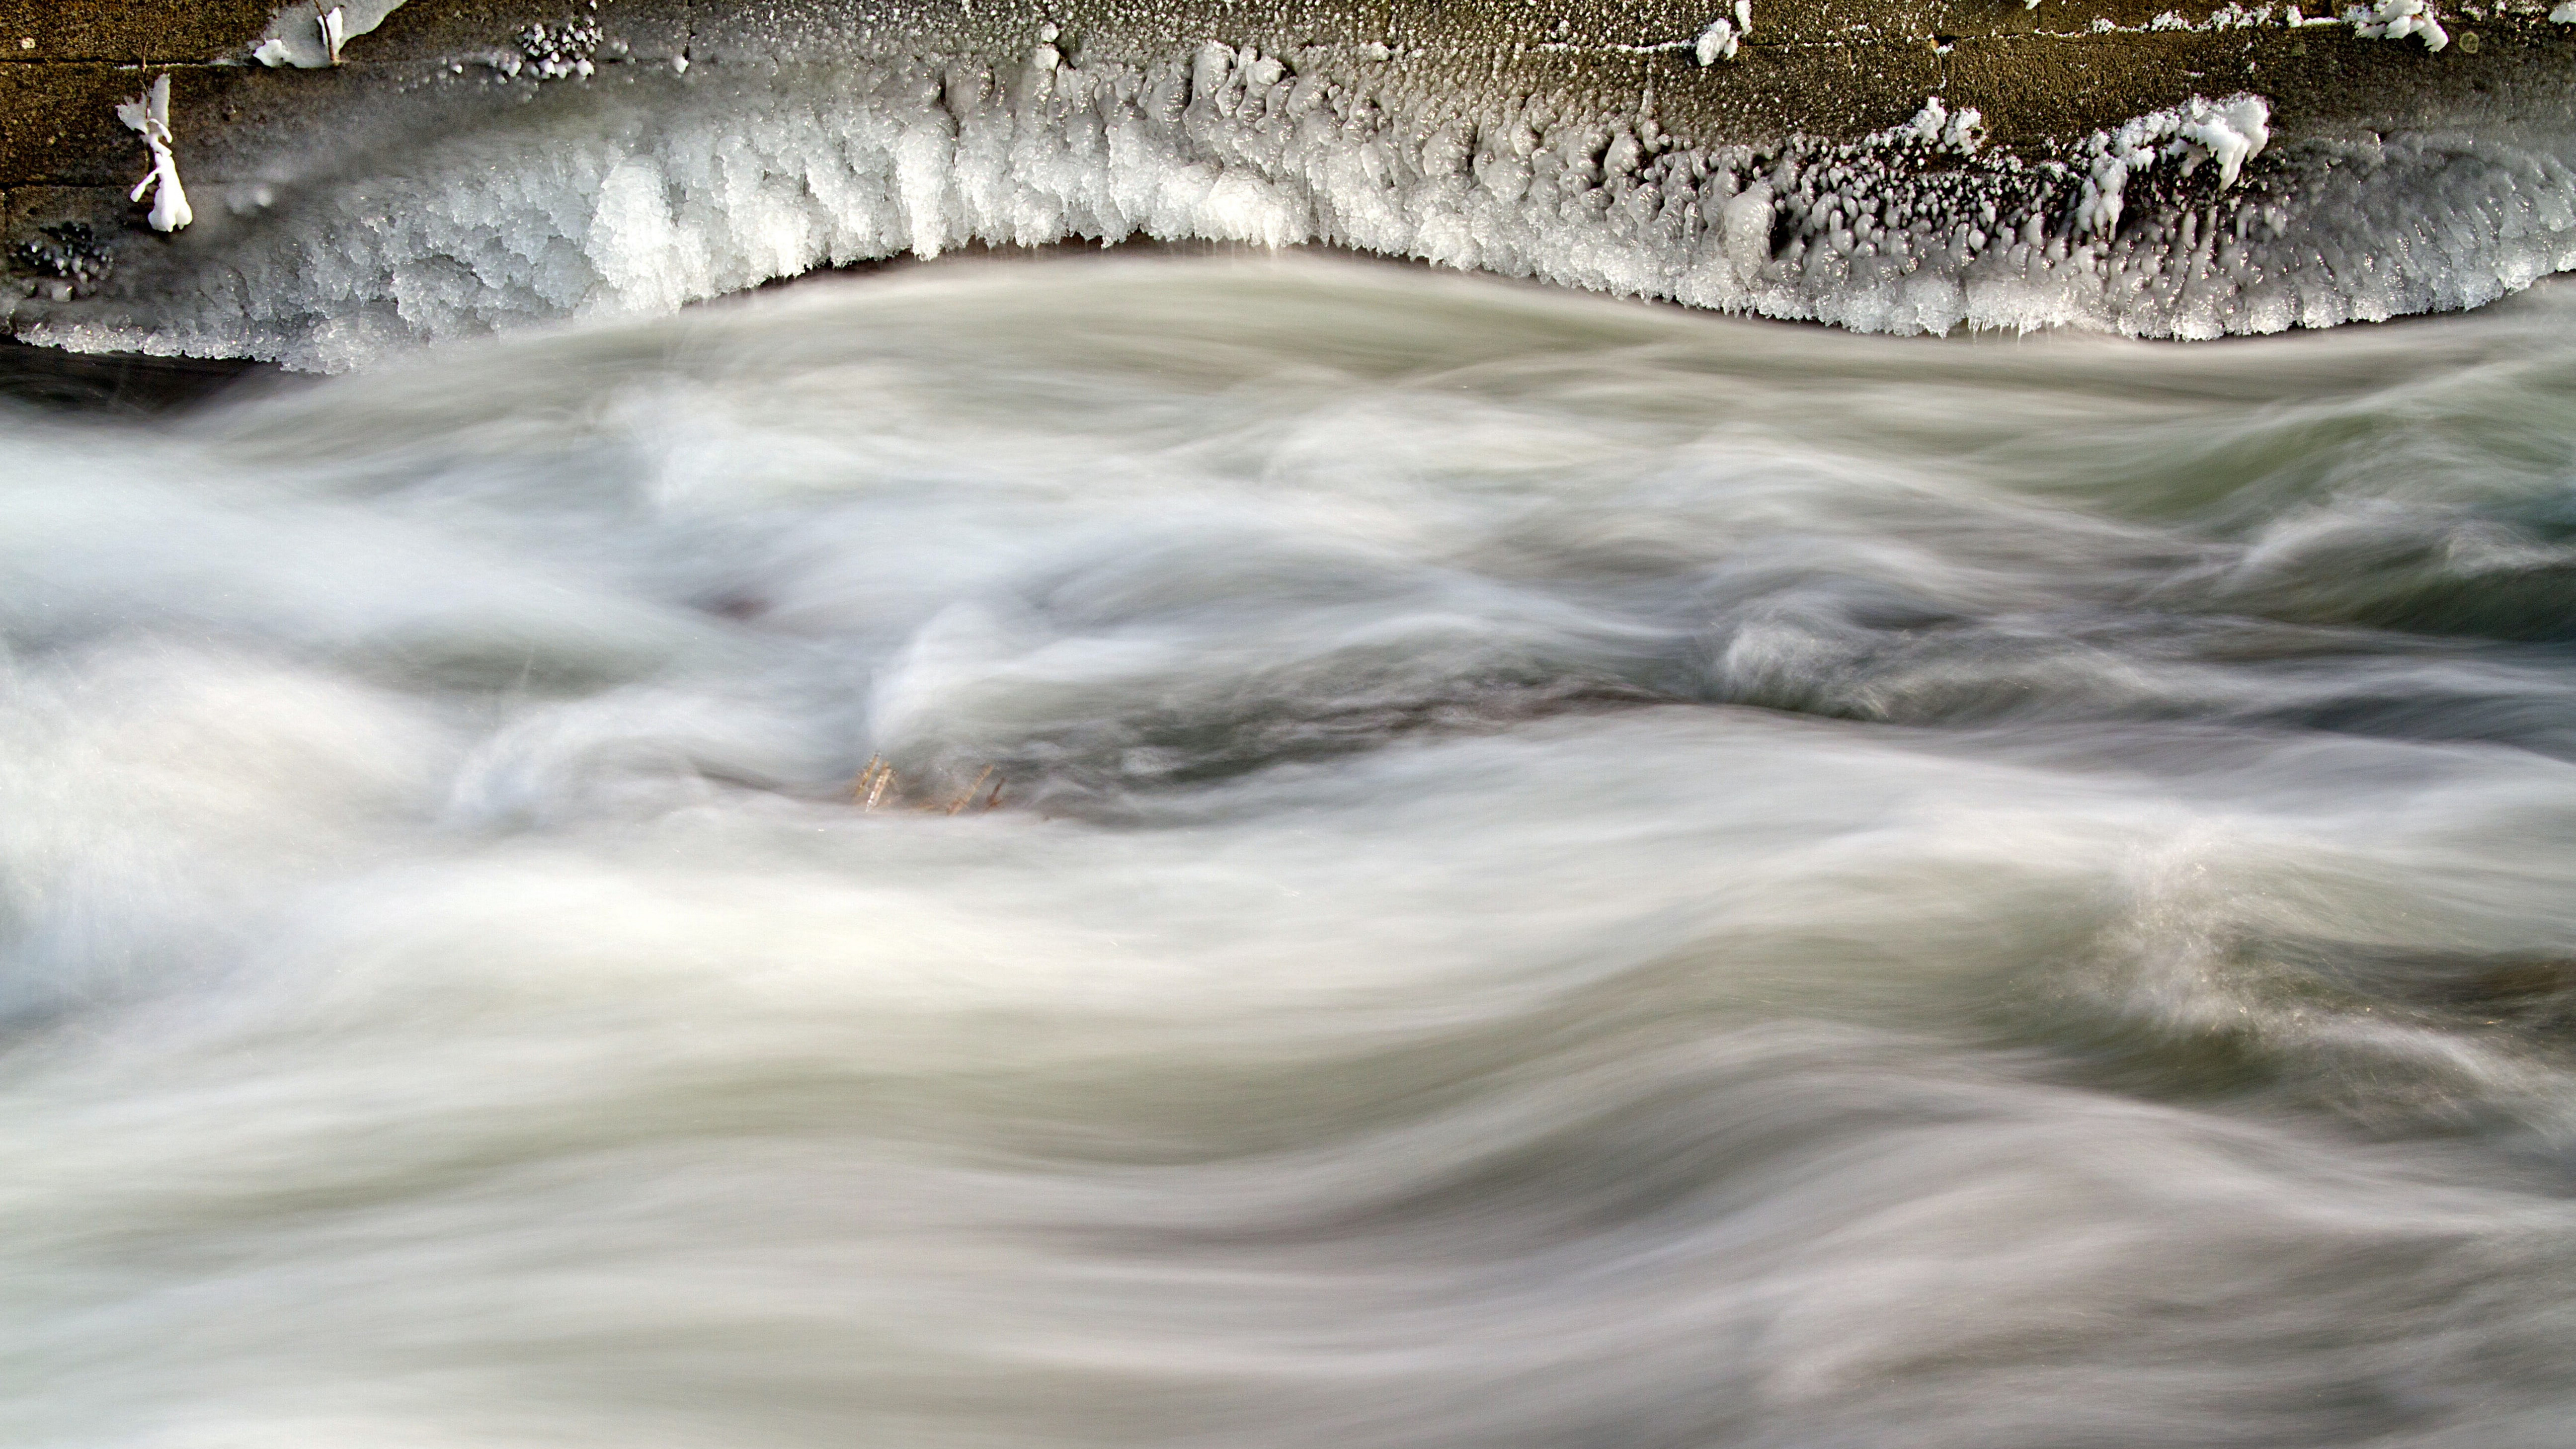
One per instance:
(1451, 866)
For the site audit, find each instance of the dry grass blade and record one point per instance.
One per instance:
(872, 783)
(877, 777)
(962, 801)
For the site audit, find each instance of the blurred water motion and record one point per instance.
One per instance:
(1556, 874)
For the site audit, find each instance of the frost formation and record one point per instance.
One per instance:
(2229, 131)
(1938, 127)
(641, 200)
(67, 258)
(559, 52)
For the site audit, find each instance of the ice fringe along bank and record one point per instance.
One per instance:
(624, 198)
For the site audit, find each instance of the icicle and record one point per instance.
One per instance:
(148, 115)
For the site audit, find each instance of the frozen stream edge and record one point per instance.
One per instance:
(672, 187)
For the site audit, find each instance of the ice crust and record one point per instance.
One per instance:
(634, 198)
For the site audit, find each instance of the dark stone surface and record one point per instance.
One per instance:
(129, 32)
(428, 30)
(1825, 67)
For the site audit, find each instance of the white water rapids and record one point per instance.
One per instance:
(1564, 874)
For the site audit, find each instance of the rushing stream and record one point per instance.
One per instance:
(1450, 865)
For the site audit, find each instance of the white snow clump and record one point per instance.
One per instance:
(1939, 127)
(148, 115)
(2564, 13)
(1722, 37)
(2396, 20)
(2229, 131)
(308, 35)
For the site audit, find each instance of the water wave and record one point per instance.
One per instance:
(1456, 865)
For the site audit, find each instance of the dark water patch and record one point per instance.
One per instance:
(121, 384)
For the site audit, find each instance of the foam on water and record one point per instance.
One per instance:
(1565, 873)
